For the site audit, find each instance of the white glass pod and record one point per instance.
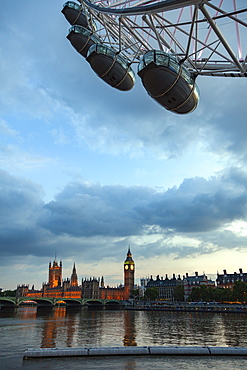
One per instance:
(75, 16)
(168, 82)
(111, 67)
(82, 39)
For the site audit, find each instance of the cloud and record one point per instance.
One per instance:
(197, 205)
(88, 210)
(5, 129)
(84, 210)
(20, 203)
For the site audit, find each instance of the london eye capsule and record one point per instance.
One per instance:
(168, 82)
(74, 15)
(111, 67)
(82, 39)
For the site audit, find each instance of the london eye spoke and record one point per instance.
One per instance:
(205, 35)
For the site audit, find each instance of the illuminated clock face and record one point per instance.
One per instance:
(126, 267)
(132, 267)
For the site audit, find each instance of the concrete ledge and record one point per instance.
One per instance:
(135, 351)
(181, 351)
(55, 352)
(228, 351)
(115, 351)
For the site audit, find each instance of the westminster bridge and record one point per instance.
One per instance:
(58, 301)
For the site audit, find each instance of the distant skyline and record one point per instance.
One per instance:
(86, 170)
(121, 283)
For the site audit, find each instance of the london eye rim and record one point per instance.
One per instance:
(207, 42)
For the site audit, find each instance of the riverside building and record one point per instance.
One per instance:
(226, 280)
(166, 286)
(195, 281)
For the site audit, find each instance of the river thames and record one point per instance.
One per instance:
(28, 327)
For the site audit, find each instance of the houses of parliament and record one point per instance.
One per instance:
(92, 288)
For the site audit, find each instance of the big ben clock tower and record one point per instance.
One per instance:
(129, 275)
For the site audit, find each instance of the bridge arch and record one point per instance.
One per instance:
(8, 301)
(112, 301)
(113, 304)
(41, 301)
(94, 302)
(69, 301)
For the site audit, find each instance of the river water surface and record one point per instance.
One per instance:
(28, 327)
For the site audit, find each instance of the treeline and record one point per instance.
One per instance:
(8, 293)
(208, 294)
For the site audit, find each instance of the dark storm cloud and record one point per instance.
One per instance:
(20, 204)
(82, 210)
(187, 211)
(18, 197)
(198, 205)
(87, 210)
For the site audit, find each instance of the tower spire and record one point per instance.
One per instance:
(129, 274)
(74, 279)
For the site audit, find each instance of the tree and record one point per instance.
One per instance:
(8, 293)
(151, 293)
(178, 293)
(195, 294)
(240, 291)
(218, 294)
(135, 293)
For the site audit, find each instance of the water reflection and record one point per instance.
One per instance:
(7, 312)
(53, 322)
(72, 323)
(26, 313)
(86, 328)
(60, 327)
(188, 328)
(27, 328)
(130, 365)
(236, 333)
(91, 328)
(130, 331)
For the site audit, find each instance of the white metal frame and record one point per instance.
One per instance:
(205, 35)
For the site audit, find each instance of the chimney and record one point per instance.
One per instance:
(240, 271)
(187, 274)
(224, 272)
(196, 273)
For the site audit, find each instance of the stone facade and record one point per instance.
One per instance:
(165, 286)
(91, 288)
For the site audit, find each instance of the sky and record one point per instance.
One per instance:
(87, 171)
